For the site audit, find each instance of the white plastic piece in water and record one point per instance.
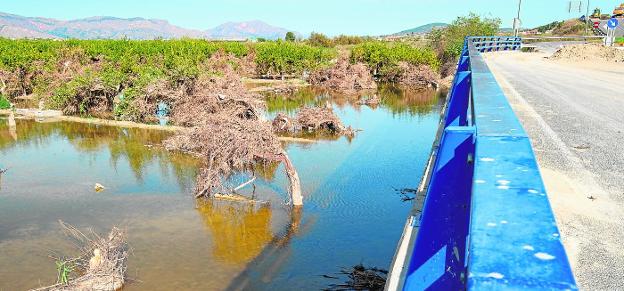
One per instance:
(503, 187)
(491, 224)
(504, 222)
(528, 248)
(503, 182)
(544, 256)
(495, 275)
(487, 159)
(480, 181)
(532, 191)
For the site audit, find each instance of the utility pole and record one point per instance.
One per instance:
(587, 19)
(517, 20)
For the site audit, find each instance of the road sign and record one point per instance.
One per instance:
(612, 23)
(596, 24)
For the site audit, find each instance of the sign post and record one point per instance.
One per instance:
(612, 25)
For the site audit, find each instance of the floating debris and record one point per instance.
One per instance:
(360, 278)
(99, 187)
(101, 264)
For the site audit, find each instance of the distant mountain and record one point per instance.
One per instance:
(104, 27)
(251, 29)
(423, 29)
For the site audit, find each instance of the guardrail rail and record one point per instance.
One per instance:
(485, 221)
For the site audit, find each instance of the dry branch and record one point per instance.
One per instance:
(101, 264)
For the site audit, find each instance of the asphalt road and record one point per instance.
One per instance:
(619, 30)
(574, 115)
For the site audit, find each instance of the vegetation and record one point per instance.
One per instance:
(290, 36)
(619, 40)
(4, 102)
(383, 57)
(284, 58)
(549, 27)
(76, 75)
(321, 40)
(448, 42)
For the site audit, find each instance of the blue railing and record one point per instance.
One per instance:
(486, 222)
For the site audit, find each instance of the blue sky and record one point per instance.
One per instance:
(333, 17)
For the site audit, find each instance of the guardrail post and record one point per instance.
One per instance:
(457, 112)
(438, 260)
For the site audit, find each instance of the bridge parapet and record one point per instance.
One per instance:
(485, 221)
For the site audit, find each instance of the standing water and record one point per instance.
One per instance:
(352, 213)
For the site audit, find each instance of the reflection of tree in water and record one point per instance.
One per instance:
(399, 100)
(239, 230)
(266, 171)
(122, 143)
(407, 101)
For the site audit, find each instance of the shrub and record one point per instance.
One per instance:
(319, 39)
(449, 41)
(290, 36)
(282, 58)
(4, 102)
(383, 57)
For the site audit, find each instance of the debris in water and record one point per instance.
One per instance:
(344, 77)
(361, 278)
(407, 194)
(233, 145)
(99, 187)
(101, 264)
(370, 101)
(311, 119)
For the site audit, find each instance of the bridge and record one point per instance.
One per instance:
(482, 219)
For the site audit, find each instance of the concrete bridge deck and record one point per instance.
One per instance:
(574, 116)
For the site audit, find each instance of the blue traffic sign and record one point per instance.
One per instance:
(612, 23)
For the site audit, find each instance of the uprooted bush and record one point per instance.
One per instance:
(413, 75)
(344, 77)
(230, 145)
(101, 264)
(311, 119)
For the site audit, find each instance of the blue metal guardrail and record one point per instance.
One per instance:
(486, 222)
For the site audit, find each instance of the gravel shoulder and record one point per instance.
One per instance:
(574, 115)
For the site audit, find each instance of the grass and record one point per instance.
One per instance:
(4, 102)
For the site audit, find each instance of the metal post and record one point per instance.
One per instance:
(587, 19)
(517, 30)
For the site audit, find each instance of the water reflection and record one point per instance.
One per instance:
(239, 230)
(397, 99)
(139, 147)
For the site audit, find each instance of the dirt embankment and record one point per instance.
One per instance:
(589, 52)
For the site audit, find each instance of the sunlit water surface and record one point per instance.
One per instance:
(351, 213)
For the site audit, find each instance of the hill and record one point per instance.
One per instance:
(105, 27)
(423, 29)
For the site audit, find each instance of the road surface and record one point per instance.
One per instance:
(574, 115)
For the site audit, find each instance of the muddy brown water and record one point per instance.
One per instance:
(351, 213)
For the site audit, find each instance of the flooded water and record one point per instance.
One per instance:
(351, 213)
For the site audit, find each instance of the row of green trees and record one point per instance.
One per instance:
(384, 57)
(63, 70)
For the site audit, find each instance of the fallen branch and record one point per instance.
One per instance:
(101, 264)
(245, 184)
